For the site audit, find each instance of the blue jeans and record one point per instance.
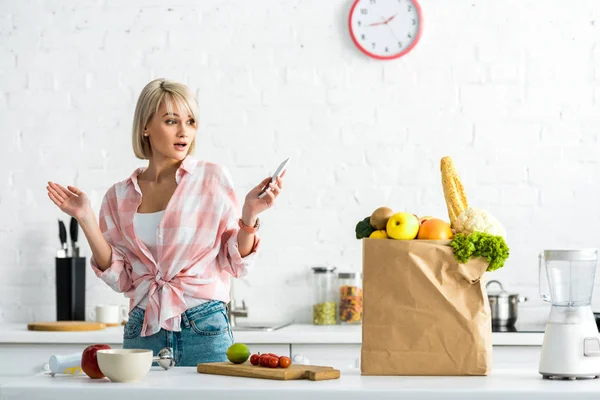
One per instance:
(205, 335)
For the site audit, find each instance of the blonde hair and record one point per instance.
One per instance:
(148, 103)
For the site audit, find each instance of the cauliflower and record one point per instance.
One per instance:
(478, 220)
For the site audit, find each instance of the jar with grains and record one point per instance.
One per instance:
(351, 298)
(325, 298)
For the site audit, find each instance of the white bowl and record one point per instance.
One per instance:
(124, 365)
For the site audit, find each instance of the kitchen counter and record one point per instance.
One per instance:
(292, 334)
(186, 382)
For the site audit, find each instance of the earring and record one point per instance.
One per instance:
(145, 134)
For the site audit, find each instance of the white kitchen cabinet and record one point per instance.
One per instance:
(339, 356)
(346, 356)
(522, 357)
(338, 346)
(29, 358)
(279, 349)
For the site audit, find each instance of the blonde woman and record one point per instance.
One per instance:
(169, 237)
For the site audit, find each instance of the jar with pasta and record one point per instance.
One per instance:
(325, 297)
(350, 298)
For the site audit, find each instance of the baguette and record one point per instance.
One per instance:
(454, 192)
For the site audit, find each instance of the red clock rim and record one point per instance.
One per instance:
(403, 52)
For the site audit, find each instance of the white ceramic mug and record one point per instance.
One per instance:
(109, 314)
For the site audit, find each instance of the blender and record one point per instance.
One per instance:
(571, 347)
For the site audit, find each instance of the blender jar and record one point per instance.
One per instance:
(569, 276)
(324, 305)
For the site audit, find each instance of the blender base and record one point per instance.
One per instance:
(568, 377)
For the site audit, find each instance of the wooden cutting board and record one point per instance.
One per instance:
(65, 326)
(294, 371)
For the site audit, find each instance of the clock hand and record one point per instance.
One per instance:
(384, 21)
(386, 24)
(377, 23)
(390, 18)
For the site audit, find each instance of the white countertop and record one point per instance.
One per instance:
(185, 382)
(294, 334)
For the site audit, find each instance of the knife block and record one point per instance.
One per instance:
(70, 289)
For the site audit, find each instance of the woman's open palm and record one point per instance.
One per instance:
(70, 200)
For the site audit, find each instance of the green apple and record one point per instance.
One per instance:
(238, 353)
(403, 226)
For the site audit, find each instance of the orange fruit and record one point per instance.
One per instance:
(423, 219)
(435, 229)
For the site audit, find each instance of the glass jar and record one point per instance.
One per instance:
(351, 297)
(325, 298)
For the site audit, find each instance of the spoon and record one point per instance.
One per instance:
(165, 358)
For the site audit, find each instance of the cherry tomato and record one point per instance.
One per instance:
(273, 362)
(254, 359)
(272, 355)
(284, 362)
(264, 360)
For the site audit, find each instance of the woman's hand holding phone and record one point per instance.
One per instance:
(263, 196)
(279, 172)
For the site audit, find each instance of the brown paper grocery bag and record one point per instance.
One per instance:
(424, 313)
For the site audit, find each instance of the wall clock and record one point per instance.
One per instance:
(385, 29)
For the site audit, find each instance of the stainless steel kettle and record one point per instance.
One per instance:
(504, 305)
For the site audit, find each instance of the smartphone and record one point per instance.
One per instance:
(276, 175)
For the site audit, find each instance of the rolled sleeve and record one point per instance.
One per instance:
(116, 276)
(240, 265)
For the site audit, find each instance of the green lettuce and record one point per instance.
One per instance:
(479, 244)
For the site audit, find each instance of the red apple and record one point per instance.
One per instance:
(89, 360)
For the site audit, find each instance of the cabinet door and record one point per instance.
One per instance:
(279, 349)
(339, 356)
(29, 359)
(347, 356)
(516, 357)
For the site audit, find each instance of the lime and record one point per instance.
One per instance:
(238, 353)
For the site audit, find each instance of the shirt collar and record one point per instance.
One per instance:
(188, 165)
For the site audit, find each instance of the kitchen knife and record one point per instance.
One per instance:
(62, 234)
(73, 232)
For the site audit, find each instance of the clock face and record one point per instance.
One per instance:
(385, 29)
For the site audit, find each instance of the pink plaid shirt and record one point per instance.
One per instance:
(197, 247)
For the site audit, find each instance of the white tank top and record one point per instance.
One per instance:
(145, 225)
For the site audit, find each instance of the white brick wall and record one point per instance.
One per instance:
(509, 89)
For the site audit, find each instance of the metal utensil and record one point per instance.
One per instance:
(504, 305)
(165, 358)
(73, 233)
(62, 234)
